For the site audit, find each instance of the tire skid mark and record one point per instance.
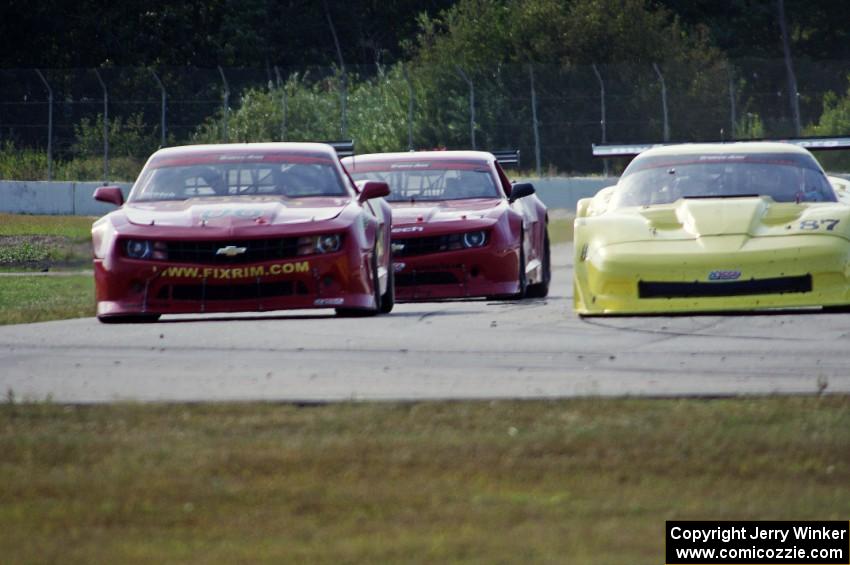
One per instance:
(422, 317)
(696, 333)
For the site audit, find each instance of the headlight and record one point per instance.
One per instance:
(466, 240)
(138, 248)
(311, 244)
(328, 243)
(475, 239)
(146, 249)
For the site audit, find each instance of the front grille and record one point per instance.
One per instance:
(420, 245)
(231, 292)
(256, 251)
(781, 285)
(429, 277)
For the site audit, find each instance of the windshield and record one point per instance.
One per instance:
(273, 175)
(665, 179)
(431, 180)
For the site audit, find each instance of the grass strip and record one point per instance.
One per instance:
(561, 229)
(27, 299)
(76, 228)
(571, 481)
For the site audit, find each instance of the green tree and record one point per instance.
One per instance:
(834, 120)
(492, 43)
(129, 137)
(495, 41)
(377, 112)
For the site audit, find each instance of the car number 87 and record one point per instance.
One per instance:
(818, 224)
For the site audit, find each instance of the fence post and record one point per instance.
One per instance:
(411, 100)
(534, 122)
(226, 100)
(343, 126)
(105, 128)
(663, 101)
(471, 105)
(793, 94)
(283, 104)
(163, 108)
(343, 96)
(603, 121)
(49, 125)
(732, 117)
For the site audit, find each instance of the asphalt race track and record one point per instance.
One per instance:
(478, 349)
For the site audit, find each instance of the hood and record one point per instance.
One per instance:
(445, 210)
(233, 212)
(696, 218)
(731, 216)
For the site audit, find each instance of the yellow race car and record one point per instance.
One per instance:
(714, 227)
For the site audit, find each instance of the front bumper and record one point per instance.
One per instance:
(465, 273)
(676, 276)
(338, 280)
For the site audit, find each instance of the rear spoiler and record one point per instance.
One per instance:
(507, 157)
(611, 150)
(810, 143)
(343, 148)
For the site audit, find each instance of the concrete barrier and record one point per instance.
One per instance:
(75, 198)
(31, 197)
(54, 198)
(564, 192)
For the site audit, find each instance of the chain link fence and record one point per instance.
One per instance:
(111, 119)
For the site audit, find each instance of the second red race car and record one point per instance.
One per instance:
(247, 227)
(460, 228)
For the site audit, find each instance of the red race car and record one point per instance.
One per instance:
(248, 227)
(460, 229)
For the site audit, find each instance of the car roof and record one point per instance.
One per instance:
(282, 146)
(482, 156)
(738, 148)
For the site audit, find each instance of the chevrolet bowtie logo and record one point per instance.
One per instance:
(231, 251)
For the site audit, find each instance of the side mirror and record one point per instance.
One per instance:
(109, 194)
(521, 190)
(582, 206)
(373, 189)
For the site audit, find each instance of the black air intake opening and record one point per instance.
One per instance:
(780, 285)
(425, 278)
(199, 292)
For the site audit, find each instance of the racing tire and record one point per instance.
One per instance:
(523, 280)
(541, 289)
(388, 298)
(366, 312)
(129, 319)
